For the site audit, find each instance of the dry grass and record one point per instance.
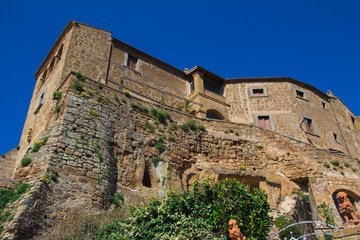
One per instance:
(80, 225)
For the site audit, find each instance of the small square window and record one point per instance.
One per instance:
(258, 92)
(300, 94)
(309, 126)
(265, 121)
(324, 105)
(132, 62)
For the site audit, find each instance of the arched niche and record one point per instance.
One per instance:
(353, 197)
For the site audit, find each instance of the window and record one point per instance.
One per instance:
(324, 105)
(355, 123)
(309, 126)
(131, 62)
(265, 121)
(300, 94)
(336, 137)
(191, 86)
(258, 92)
(41, 102)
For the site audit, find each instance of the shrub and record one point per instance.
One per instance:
(78, 86)
(126, 93)
(326, 213)
(284, 221)
(80, 76)
(326, 165)
(116, 199)
(171, 138)
(156, 160)
(335, 163)
(39, 144)
(25, 161)
(190, 125)
(160, 146)
(143, 110)
(57, 95)
(236, 134)
(259, 147)
(54, 176)
(347, 165)
(100, 86)
(201, 213)
(201, 128)
(57, 108)
(149, 126)
(231, 131)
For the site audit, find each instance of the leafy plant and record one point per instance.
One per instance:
(284, 221)
(326, 213)
(57, 95)
(171, 138)
(335, 163)
(80, 76)
(39, 144)
(126, 93)
(116, 199)
(78, 86)
(143, 110)
(347, 165)
(160, 146)
(326, 165)
(54, 176)
(161, 116)
(45, 178)
(259, 147)
(149, 126)
(25, 161)
(156, 160)
(57, 108)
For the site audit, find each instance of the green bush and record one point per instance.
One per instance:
(347, 165)
(171, 138)
(54, 176)
(326, 165)
(201, 213)
(57, 108)
(190, 125)
(143, 110)
(80, 76)
(25, 161)
(286, 220)
(335, 163)
(156, 160)
(116, 199)
(78, 86)
(57, 95)
(149, 126)
(161, 116)
(160, 146)
(126, 93)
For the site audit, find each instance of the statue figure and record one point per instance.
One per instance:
(234, 231)
(347, 210)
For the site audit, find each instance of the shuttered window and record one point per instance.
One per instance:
(264, 121)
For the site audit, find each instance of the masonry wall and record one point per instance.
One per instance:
(287, 111)
(152, 79)
(7, 165)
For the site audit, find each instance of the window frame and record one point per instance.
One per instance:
(301, 91)
(40, 102)
(336, 137)
(272, 126)
(191, 89)
(251, 90)
(324, 105)
(313, 125)
(126, 62)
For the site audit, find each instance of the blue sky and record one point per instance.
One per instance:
(317, 42)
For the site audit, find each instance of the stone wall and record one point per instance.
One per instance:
(7, 163)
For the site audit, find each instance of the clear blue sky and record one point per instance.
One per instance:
(314, 41)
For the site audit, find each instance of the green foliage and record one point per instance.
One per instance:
(187, 102)
(201, 128)
(286, 220)
(25, 161)
(171, 138)
(202, 213)
(99, 156)
(156, 160)
(231, 131)
(335, 163)
(288, 153)
(226, 132)
(80, 76)
(347, 165)
(259, 147)
(45, 178)
(326, 165)
(39, 144)
(190, 125)
(161, 116)
(236, 134)
(78, 86)
(117, 99)
(127, 94)
(149, 126)
(304, 197)
(121, 84)
(342, 173)
(143, 110)
(54, 176)
(160, 146)
(326, 213)
(354, 169)
(57, 95)
(57, 108)
(100, 86)
(117, 199)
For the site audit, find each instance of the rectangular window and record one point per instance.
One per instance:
(213, 86)
(265, 121)
(309, 126)
(191, 86)
(132, 62)
(300, 94)
(324, 105)
(258, 92)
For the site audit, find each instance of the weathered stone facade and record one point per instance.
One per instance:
(99, 139)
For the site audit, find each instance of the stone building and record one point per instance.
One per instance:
(277, 134)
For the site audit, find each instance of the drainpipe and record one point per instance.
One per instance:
(108, 66)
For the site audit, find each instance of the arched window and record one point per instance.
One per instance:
(354, 199)
(213, 114)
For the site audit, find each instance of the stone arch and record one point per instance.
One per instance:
(214, 114)
(59, 53)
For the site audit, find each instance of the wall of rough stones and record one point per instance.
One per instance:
(7, 165)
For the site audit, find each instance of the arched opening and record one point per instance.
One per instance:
(147, 178)
(354, 199)
(60, 51)
(213, 114)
